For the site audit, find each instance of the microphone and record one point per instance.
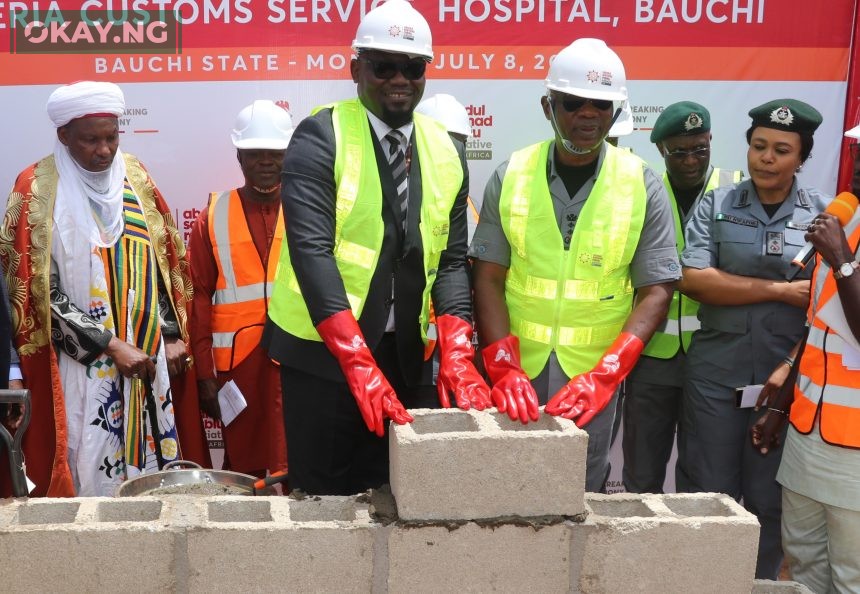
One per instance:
(843, 208)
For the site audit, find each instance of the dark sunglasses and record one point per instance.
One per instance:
(411, 70)
(572, 104)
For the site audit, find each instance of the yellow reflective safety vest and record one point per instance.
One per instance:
(676, 331)
(242, 289)
(359, 227)
(572, 301)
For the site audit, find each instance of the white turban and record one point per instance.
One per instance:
(88, 208)
(84, 98)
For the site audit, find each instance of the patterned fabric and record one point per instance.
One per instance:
(131, 282)
(397, 160)
(115, 428)
(77, 333)
(25, 250)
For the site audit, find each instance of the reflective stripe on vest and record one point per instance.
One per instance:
(239, 300)
(682, 320)
(572, 301)
(823, 383)
(359, 226)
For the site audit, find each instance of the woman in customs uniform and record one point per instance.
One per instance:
(740, 242)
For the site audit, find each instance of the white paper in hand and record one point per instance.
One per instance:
(747, 396)
(231, 401)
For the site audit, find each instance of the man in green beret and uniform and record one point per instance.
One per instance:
(652, 407)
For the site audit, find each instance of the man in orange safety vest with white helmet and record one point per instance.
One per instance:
(234, 248)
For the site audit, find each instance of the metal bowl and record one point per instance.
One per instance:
(191, 481)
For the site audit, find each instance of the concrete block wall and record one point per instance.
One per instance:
(482, 504)
(455, 465)
(628, 543)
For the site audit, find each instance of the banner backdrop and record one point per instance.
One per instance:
(729, 55)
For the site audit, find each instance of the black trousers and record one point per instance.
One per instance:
(330, 450)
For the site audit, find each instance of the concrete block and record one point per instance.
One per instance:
(701, 542)
(476, 558)
(258, 545)
(51, 547)
(463, 465)
(772, 587)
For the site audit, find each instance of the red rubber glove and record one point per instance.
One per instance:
(457, 373)
(588, 393)
(512, 391)
(375, 396)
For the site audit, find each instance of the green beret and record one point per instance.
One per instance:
(684, 118)
(786, 114)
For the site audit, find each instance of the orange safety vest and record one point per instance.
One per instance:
(243, 288)
(824, 385)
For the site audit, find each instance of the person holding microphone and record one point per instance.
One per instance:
(821, 399)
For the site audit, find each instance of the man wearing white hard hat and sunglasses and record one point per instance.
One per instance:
(556, 265)
(375, 202)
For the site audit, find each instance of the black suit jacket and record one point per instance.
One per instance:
(308, 194)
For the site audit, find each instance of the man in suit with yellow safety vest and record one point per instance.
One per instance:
(375, 202)
(652, 405)
(234, 247)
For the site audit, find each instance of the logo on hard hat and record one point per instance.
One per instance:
(409, 33)
(592, 76)
(693, 122)
(394, 31)
(782, 115)
(283, 104)
(606, 78)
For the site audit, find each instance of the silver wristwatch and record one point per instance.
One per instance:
(845, 270)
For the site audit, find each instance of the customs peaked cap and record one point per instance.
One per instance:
(684, 118)
(790, 115)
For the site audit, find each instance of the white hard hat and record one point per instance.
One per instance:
(263, 125)
(588, 68)
(853, 132)
(395, 27)
(447, 110)
(624, 123)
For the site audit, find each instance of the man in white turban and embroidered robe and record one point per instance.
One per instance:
(99, 284)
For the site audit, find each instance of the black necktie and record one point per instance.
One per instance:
(397, 160)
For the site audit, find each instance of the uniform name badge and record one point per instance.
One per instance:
(774, 243)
